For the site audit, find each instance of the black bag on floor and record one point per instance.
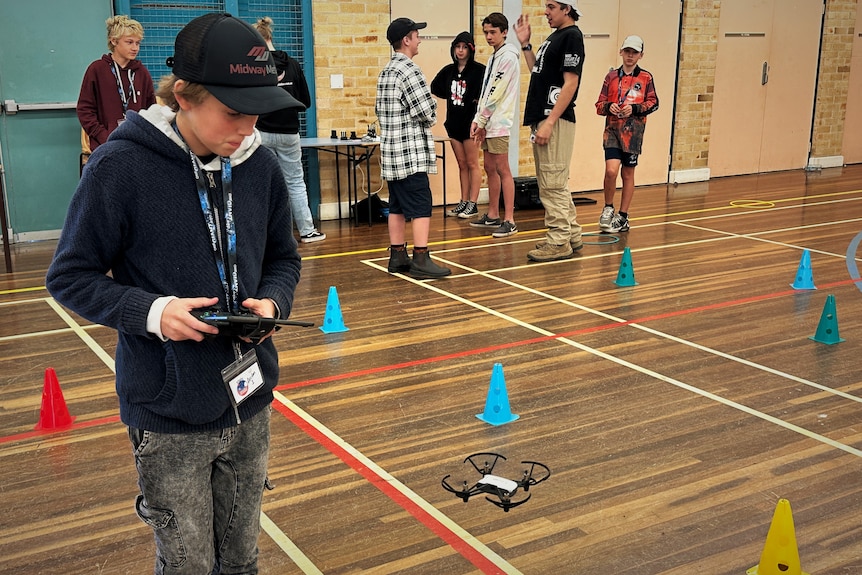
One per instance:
(527, 193)
(379, 210)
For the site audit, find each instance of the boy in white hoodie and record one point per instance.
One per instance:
(493, 123)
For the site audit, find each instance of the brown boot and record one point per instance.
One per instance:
(399, 261)
(422, 268)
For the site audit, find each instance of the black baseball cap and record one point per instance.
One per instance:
(231, 60)
(400, 27)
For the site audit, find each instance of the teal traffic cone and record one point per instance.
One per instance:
(626, 275)
(497, 410)
(827, 329)
(804, 274)
(333, 322)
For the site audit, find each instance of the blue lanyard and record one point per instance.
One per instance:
(123, 98)
(229, 281)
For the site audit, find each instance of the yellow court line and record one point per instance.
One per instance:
(21, 290)
(642, 218)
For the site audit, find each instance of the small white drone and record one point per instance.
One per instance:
(500, 487)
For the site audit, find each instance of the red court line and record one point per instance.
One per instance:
(457, 543)
(466, 353)
(73, 427)
(612, 325)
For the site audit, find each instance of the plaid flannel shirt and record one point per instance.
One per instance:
(406, 111)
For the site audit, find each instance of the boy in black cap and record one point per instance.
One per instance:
(186, 212)
(549, 110)
(406, 111)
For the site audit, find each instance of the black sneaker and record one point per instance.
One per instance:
(505, 230)
(471, 211)
(486, 222)
(457, 209)
(314, 236)
(620, 223)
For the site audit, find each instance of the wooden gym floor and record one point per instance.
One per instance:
(673, 414)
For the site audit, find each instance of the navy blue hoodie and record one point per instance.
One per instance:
(135, 232)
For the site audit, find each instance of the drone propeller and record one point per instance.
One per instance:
(486, 467)
(528, 480)
(462, 493)
(505, 503)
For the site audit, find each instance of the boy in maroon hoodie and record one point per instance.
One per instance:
(115, 83)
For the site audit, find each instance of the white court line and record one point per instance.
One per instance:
(391, 481)
(615, 319)
(85, 337)
(290, 549)
(651, 373)
(432, 287)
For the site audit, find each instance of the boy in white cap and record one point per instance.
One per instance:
(627, 97)
(550, 112)
(182, 209)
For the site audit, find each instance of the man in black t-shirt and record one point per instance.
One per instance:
(550, 113)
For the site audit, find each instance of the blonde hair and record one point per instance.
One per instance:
(119, 26)
(264, 27)
(167, 90)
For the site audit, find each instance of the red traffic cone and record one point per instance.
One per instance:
(54, 413)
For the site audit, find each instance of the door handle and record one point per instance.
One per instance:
(11, 107)
(764, 75)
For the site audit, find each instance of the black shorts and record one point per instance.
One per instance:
(628, 160)
(410, 197)
(458, 133)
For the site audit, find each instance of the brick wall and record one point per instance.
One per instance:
(696, 81)
(831, 100)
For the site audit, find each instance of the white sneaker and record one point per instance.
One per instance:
(606, 218)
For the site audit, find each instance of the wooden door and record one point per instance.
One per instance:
(852, 147)
(739, 100)
(764, 85)
(793, 56)
(605, 24)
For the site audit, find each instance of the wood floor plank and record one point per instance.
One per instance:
(673, 414)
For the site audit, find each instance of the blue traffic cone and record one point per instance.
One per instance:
(626, 275)
(827, 329)
(497, 410)
(804, 274)
(333, 322)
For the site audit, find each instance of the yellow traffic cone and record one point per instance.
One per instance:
(780, 555)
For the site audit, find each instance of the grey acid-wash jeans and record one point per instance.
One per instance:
(201, 493)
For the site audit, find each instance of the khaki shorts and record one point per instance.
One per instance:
(499, 145)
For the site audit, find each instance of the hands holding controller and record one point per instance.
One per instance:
(196, 318)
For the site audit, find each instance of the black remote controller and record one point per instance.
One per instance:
(244, 324)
